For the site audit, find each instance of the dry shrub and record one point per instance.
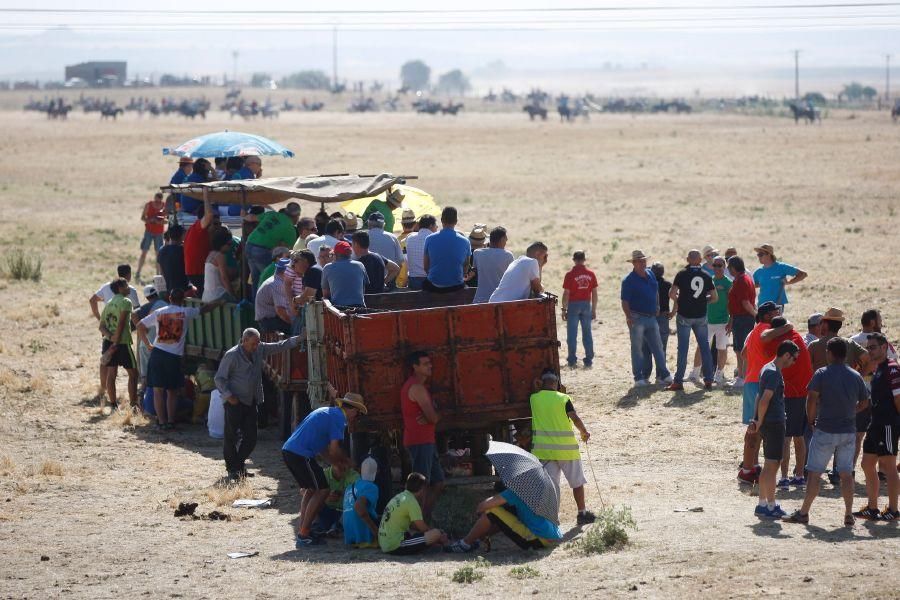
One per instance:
(39, 384)
(225, 494)
(51, 468)
(9, 380)
(7, 466)
(128, 418)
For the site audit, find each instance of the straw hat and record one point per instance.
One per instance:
(395, 197)
(409, 216)
(768, 248)
(707, 250)
(354, 401)
(478, 232)
(833, 314)
(185, 160)
(637, 255)
(351, 222)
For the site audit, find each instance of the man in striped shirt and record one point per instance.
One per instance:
(415, 251)
(273, 312)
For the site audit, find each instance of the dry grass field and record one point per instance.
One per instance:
(86, 502)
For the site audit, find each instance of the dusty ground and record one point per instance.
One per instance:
(94, 496)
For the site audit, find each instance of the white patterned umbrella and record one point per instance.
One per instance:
(524, 475)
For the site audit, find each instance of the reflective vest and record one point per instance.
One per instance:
(552, 435)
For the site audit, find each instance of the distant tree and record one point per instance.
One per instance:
(260, 79)
(816, 98)
(454, 81)
(415, 74)
(307, 80)
(852, 91)
(869, 93)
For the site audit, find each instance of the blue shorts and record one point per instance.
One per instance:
(751, 391)
(424, 458)
(823, 445)
(155, 238)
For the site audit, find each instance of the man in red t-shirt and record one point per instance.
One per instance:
(419, 418)
(741, 312)
(197, 244)
(759, 349)
(796, 380)
(579, 307)
(154, 218)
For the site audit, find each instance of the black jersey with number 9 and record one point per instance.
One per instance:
(694, 285)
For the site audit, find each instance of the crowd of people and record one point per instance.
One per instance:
(821, 395)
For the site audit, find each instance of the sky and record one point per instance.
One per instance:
(629, 43)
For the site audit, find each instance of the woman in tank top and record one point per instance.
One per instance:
(215, 270)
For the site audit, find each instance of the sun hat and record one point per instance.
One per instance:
(638, 255)
(185, 160)
(707, 250)
(354, 401)
(478, 232)
(833, 314)
(351, 222)
(343, 248)
(395, 197)
(767, 248)
(409, 216)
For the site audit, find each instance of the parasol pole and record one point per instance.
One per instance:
(244, 295)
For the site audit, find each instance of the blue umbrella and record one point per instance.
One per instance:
(228, 143)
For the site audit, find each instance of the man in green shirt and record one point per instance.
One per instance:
(403, 531)
(386, 207)
(717, 319)
(273, 229)
(115, 325)
(329, 521)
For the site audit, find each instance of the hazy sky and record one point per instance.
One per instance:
(717, 38)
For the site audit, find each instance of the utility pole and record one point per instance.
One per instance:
(234, 55)
(887, 77)
(334, 73)
(796, 75)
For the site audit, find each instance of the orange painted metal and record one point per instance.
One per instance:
(485, 357)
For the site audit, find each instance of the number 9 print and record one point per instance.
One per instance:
(697, 286)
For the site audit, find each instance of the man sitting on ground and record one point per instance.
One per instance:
(505, 512)
(360, 499)
(403, 531)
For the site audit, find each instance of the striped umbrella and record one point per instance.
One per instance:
(226, 143)
(524, 475)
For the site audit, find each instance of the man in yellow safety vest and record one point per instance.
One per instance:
(554, 442)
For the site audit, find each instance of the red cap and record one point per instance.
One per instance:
(343, 248)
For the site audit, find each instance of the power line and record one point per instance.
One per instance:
(579, 9)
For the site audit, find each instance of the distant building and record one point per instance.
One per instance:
(110, 73)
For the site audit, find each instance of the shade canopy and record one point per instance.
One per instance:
(274, 190)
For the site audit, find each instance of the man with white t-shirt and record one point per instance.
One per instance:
(871, 323)
(523, 276)
(105, 294)
(164, 367)
(415, 251)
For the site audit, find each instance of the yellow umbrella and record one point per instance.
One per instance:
(420, 201)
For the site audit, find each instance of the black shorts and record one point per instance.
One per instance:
(863, 420)
(741, 326)
(306, 471)
(122, 357)
(772, 435)
(795, 412)
(881, 440)
(164, 370)
(413, 543)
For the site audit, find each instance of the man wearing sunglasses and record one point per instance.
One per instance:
(880, 445)
(774, 276)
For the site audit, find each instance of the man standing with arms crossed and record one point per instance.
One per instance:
(769, 424)
(692, 289)
(640, 303)
(419, 419)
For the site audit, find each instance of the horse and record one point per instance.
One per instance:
(112, 112)
(451, 109)
(59, 111)
(534, 110)
(269, 112)
(810, 113)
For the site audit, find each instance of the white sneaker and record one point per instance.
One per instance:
(719, 378)
(694, 376)
(737, 383)
(667, 381)
(641, 383)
